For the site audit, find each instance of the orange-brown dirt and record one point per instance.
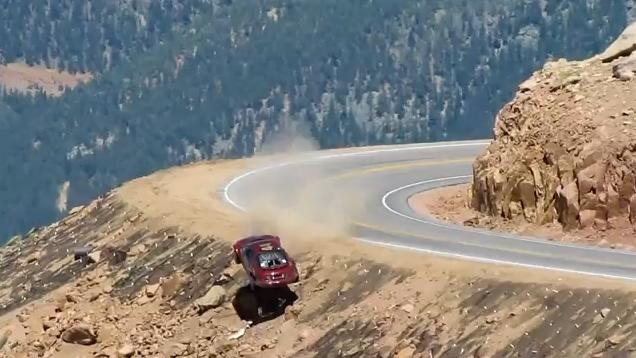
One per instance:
(24, 78)
(164, 242)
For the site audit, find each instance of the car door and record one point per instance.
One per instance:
(247, 253)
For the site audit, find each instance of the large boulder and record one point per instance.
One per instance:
(79, 334)
(565, 147)
(214, 298)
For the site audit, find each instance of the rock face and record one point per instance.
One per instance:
(565, 148)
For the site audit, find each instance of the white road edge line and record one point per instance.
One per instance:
(385, 204)
(491, 261)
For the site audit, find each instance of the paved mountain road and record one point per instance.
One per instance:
(387, 176)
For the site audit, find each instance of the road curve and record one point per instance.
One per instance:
(387, 176)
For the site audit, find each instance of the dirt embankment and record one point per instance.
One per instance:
(24, 78)
(162, 242)
(564, 148)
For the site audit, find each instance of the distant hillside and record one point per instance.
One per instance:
(182, 80)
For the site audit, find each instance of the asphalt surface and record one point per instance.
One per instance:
(385, 177)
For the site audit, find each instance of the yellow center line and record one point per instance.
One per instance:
(424, 163)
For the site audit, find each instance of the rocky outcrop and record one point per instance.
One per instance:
(564, 148)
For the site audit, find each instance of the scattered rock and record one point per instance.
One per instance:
(171, 286)
(138, 250)
(406, 352)
(113, 256)
(352, 351)
(230, 273)
(616, 339)
(408, 308)
(597, 319)
(214, 298)
(304, 334)
(23, 317)
(177, 350)
(238, 334)
(71, 298)
(605, 312)
(79, 334)
(126, 351)
(292, 312)
(151, 290)
(35, 256)
(95, 256)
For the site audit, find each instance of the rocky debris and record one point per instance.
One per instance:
(212, 299)
(238, 334)
(81, 253)
(151, 290)
(126, 351)
(563, 148)
(292, 312)
(171, 286)
(177, 350)
(79, 334)
(406, 352)
(95, 256)
(113, 255)
(35, 256)
(408, 308)
(605, 312)
(616, 339)
(230, 273)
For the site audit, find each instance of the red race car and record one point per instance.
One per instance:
(266, 262)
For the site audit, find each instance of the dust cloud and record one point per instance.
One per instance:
(300, 203)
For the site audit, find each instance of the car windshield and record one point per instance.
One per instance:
(271, 259)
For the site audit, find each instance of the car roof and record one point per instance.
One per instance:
(260, 242)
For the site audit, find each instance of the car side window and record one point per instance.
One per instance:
(247, 252)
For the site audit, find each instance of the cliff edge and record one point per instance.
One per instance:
(564, 147)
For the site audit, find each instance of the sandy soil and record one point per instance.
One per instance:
(449, 204)
(25, 78)
(353, 300)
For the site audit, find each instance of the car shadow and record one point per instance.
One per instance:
(262, 304)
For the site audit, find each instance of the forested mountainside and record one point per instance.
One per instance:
(181, 80)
